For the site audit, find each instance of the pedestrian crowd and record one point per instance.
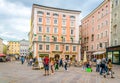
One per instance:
(51, 65)
(103, 66)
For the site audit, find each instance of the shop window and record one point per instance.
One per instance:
(116, 57)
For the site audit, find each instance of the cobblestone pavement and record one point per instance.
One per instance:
(15, 72)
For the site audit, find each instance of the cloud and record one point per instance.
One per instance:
(15, 18)
(15, 14)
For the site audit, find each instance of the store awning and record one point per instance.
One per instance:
(2, 55)
(98, 52)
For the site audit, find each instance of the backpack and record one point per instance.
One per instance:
(46, 61)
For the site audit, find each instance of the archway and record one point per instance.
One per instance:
(57, 57)
(67, 57)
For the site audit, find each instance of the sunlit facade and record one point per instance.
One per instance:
(54, 32)
(13, 48)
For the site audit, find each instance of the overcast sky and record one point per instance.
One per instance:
(15, 14)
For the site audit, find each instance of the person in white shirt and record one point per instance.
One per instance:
(98, 62)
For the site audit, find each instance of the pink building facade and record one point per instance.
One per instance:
(95, 31)
(54, 32)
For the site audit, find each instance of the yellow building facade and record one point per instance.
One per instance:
(13, 48)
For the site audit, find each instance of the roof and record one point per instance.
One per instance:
(57, 8)
(92, 12)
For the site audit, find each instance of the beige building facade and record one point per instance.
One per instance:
(54, 32)
(113, 52)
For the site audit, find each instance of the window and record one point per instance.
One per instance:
(72, 17)
(67, 48)
(93, 29)
(40, 47)
(57, 47)
(48, 20)
(97, 46)
(55, 39)
(74, 48)
(116, 2)
(55, 30)
(63, 22)
(55, 21)
(63, 31)
(102, 24)
(40, 28)
(115, 42)
(105, 33)
(106, 22)
(101, 35)
(115, 16)
(47, 47)
(63, 39)
(64, 16)
(92, 47)
(40, 19)
(106, 10)
(39, 38)
(48, 13)
(92, 37)
(55, 14)
(47, 38)
(40, 12)
(72, 23)
(98, 36)
(72, 31)
(98, 27)
(115, 29)
(48, 29)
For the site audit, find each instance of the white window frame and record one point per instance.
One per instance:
(46, 47)
(54, 21)
(72, 23)
(63, 30)
(68, 48)
(70, 31)
(54, 30)
(58, 47)
(73, 48)
(46, 38)
(48, 22)
(41, 28)
(42, 47)
(64, 22)
(47, 28)
(39, 19)
(41, 37)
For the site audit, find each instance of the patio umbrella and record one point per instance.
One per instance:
(85, 57)
(2, 55)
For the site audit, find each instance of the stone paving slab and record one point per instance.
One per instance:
(15, 72)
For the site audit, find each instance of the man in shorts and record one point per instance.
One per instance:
(46, 65)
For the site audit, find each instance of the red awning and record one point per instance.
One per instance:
(2, 55)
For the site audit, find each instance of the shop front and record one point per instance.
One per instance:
(113, 53)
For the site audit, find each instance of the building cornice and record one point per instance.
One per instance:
(55, 9)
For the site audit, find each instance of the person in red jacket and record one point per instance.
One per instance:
(46, 65)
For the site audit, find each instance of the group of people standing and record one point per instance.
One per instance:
(51, 64)
(104, 67)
